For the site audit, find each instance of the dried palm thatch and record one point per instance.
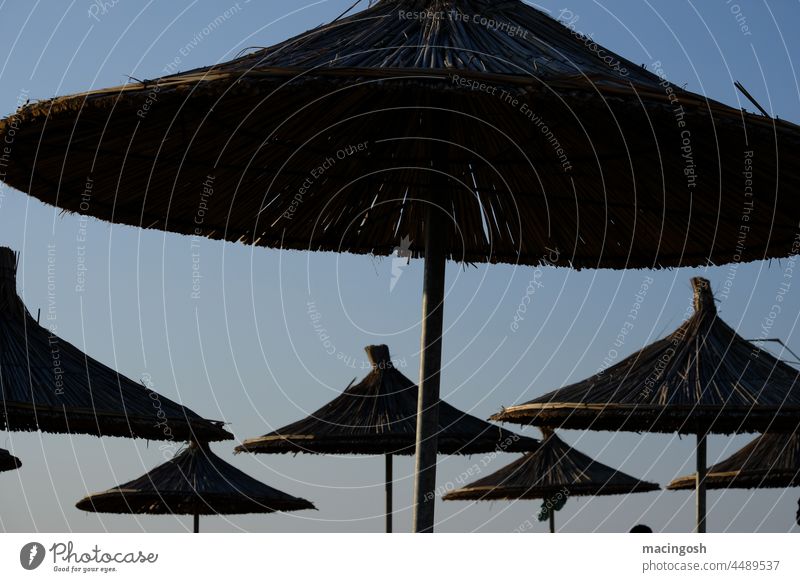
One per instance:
(771, 460)
(50, 385)
(702, 378)
(551, 468)
(554, 472)
(378, 416)
(8, 462)
(510, 123)
(195, 482)
(560, 135)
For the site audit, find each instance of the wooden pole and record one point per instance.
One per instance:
(388, 493)
(701, 482)
(552, 521)
(196, 444)
(429, 370)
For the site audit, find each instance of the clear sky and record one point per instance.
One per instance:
(246, 351)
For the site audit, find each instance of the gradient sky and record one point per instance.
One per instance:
(246, 351)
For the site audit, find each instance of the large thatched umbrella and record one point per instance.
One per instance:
(378, 416)
(554, 472)
(8, 462)
(702, 378)
(771, 460)
(195, 482)
(50, 385)
(481, 131)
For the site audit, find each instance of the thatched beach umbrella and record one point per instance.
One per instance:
(481, 131)
(8, 462)
(769, 461)
(703, 378)
(554, 472)
(50, 385)
(378, 416)
(195, 482)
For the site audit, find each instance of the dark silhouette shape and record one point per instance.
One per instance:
(553, 472)
(8, 462)
(48, 384)
(195, 482)
(771, 460)
(378, 416)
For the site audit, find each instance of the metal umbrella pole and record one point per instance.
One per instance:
(388, 493)
(429, 371)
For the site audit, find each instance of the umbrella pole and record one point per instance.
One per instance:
(388, 493)
(552, 521)
(430, 366)
(700, 483)
(196, 523)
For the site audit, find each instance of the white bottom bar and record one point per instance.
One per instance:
(399, 557)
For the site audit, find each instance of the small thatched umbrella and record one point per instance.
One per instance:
(8, 462)
(769, 461)
(195, 482)
(553, 471)
(378, 416)
(482, 131)
(703, 378)
(50, 385)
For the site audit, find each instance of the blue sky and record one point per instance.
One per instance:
(246, 350)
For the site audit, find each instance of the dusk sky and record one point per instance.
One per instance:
(244, 347)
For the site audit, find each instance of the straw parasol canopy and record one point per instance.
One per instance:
(553, 468)
(8, 462)
(238, 132)
(50, 385)
(195, 482)
(769, 461)
(378, 416)
(481, 131)
(702, 378)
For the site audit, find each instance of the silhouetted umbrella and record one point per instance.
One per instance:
(195, 482)
(8, 462)
(554, 469)
(771, 460)
(702, 378)
(378, 416)
(50, 385)
(481, 131)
